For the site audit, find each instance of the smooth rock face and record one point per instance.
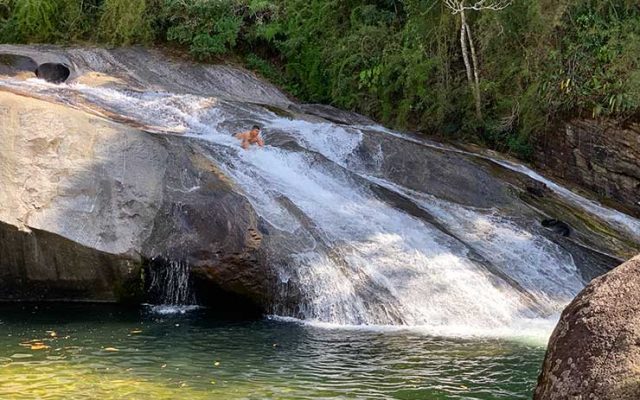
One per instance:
(594, 352)
(600, 156)
(139, 68)
(85, 201)
(39, 265)
(12, 64)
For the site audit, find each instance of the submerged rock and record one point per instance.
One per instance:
(594, 352)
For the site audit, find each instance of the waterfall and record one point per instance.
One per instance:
(358, 259)
(169, 286)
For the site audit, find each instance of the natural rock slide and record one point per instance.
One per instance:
(124, 183)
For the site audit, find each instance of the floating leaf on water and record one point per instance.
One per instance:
(216, 363)
(163, 366)
(21, 355)
(39, 346)
(213, 382)
(136, 331)
(29, 343)
(52, 333)
(110, 349)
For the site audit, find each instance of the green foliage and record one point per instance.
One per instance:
(208, 27)
(595, 69)
(124, 22)
(396, 60)
(35, 19)
(8, 24)
(214, 27)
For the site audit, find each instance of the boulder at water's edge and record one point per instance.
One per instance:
(594, 352)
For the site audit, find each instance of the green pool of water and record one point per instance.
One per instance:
(102, 352)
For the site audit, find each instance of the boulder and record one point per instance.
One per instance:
(87, 202)
(594, 352)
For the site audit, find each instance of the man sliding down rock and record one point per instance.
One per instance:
(250, 137)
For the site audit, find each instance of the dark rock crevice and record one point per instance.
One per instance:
(14, 64)
(43, 266)
(53, 72)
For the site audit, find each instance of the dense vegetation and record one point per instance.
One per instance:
(396, 60)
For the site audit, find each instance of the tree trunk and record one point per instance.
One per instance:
(465, 51)
(476, 74)
(474, 84)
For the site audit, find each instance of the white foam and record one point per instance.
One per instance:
(530, 331)
(162, 309)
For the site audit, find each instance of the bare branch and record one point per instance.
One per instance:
(457, 6)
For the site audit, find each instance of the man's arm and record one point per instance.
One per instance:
(260, 141)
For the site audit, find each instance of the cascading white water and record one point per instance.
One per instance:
(169, 285)
(366, 262)
(171, 282)
(623, 221)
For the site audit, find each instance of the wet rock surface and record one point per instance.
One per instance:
(139, 68)
(129, 173)
(594, 352)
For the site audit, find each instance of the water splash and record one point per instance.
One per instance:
(169, 286)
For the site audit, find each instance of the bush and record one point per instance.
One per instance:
(125, 22)
(36, 20)
(211, 28)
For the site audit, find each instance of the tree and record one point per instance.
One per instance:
(466, 40)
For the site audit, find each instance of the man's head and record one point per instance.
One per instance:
(255, 131)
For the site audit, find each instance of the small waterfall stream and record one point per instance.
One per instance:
(169, 286)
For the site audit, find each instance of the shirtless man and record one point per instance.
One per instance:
(250, 137)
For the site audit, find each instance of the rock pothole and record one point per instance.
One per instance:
(53, 72)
